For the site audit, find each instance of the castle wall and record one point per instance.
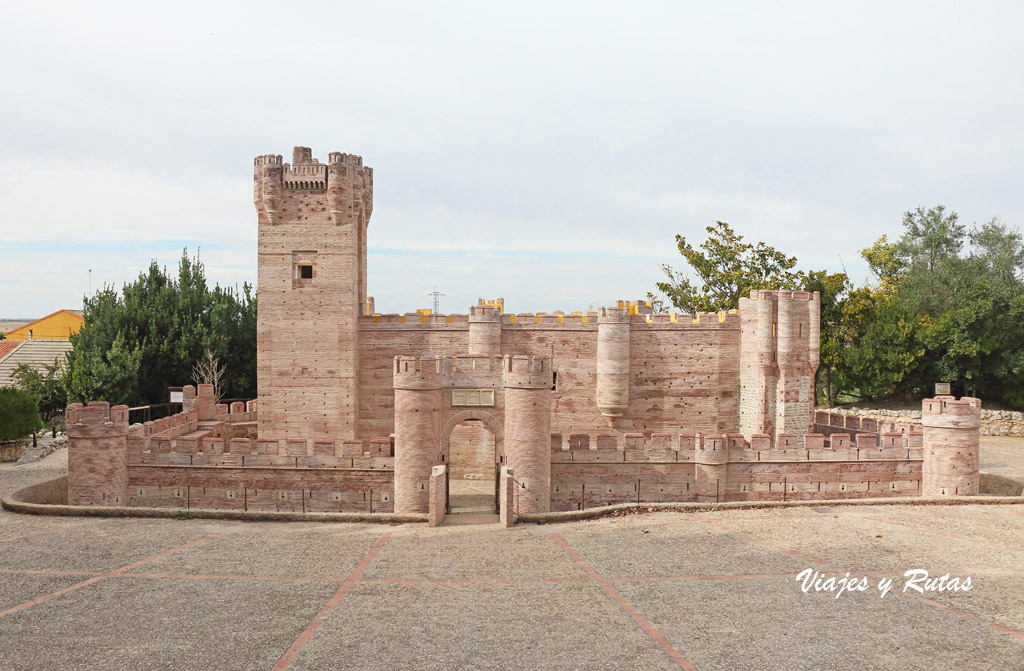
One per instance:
(682, 374)
(356, 409)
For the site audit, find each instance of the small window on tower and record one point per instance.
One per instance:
(303, 263)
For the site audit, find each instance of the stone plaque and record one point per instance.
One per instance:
(474, 397)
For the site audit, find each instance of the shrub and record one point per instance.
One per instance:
(19, 414)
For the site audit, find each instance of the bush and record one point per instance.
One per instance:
(19, 414)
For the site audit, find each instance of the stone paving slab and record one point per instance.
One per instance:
(997, 599)
(999, 527)
(482, 626)
(17, 589)
(863, 543)
(472, 552)
(682, 546)
(276, 549)
(754, 625)
(99, 546)
(712, 590)
(137, 625)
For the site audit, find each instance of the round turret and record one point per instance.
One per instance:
(527, 381)
(951, 446)
(484, 330)
(613, 363)
(417, 430)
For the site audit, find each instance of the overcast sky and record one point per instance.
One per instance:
(544, 152)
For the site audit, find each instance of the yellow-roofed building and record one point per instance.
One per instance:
(58, 326)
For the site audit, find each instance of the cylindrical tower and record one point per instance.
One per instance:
(613, 363)
(951, 443)
(270, 171)
(527, 381)
(339, 188)
(484, 330)
(97, 454)
(417, 430)
(787, 390)
(711, 459)
(814, 348)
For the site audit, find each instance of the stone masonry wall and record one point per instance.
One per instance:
(993, 422)
(604, 469)
(683, 374)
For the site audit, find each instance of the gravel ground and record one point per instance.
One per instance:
(712, 591)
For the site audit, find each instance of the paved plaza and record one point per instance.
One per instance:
(709, 591)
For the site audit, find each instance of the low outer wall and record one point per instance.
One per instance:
(593, 471)
(183, 461)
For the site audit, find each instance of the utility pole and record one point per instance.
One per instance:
(437, 300)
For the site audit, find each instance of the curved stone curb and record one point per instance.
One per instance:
(17, 503)
(604, 511)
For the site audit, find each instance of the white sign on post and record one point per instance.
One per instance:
(942, 389)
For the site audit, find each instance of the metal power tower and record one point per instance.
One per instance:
(437, 300)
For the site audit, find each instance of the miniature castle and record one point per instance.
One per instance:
(357, 409)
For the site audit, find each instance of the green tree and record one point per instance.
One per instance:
(726, 269)
(964, 303)
(137, 344)
(833, 289)
(19, 413)
(882, 346)
(46, 383)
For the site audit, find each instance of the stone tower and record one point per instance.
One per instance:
(779, 354)
(418, 384)
(527, 381)
(311, 290)
(951, 446)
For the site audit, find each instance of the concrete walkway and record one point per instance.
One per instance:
(663, 591)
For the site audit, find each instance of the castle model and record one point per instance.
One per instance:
(357, 410)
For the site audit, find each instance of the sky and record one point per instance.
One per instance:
(543, 152)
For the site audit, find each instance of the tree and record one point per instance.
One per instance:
(208, 370)
(137, 344)
(882, 346)
(964, 309)
(46, 383)
(19, 413)
(833, 289)
(727, 268)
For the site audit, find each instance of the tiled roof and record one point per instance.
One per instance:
(34, 353)
(6, 346)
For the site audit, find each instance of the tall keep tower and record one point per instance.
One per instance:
(311, 290)
(779, 354)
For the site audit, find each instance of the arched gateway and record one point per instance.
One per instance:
(511, 395)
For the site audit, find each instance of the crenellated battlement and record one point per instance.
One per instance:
(268, 159)
(96, 412)
(347, 184)
(308, 177)
(784, 295)
(412, 372)
(734, 448)
(527, 372)
(948, 405)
